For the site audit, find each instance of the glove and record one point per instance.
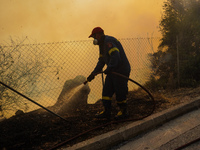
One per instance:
(90, 77)
(107, 71)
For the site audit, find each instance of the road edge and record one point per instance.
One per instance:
(112, 138)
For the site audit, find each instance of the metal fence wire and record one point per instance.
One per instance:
(40, 70)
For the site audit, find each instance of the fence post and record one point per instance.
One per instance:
(178, 66)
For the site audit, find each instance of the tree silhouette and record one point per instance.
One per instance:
(180, 44)
(20, 69)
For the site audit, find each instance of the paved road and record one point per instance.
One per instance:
(169, 136)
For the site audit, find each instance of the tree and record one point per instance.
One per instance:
(21, 71)
(180, 28)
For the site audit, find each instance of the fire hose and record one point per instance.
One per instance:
(111, 122)
(24, 96)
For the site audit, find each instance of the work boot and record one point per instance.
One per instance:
(122, 114)
(106, 114)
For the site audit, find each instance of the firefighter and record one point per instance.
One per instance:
(111, 53)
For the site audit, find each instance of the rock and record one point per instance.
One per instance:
(19, 112)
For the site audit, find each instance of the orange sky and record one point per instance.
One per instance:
(61, 20)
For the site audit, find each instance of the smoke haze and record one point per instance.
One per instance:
(50, 20)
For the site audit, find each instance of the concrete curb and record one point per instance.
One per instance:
(107, 140)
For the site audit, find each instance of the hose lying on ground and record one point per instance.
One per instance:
(32, 101)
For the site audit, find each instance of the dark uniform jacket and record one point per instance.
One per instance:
(112, 54)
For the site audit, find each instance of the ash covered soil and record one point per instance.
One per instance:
(41, 130)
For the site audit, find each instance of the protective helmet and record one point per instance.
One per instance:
(96, 30)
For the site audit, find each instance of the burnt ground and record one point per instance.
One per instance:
(41, 130)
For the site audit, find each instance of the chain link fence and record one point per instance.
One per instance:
(40, 70)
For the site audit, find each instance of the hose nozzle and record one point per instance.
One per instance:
(85, 82)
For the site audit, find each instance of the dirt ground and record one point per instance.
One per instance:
(41, 130)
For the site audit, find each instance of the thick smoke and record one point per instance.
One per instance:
(50, 21)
